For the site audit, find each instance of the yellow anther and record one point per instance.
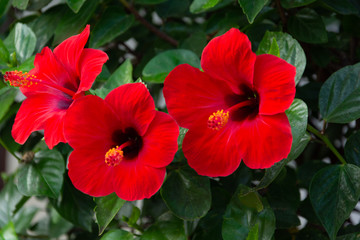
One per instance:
(218, 119)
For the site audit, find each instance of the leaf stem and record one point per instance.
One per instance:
(148, 25)
(326, 140)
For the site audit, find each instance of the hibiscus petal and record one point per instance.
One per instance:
(265, 140)
(33, 115)
(133, 105)
(212, 153)
(69, 51)
(274, 80)
(191, 95)
(90, 65)
(89, 123)
(54, 129)
(89, 173)
(160, 141)
(137, 181)
(49, 70)
(229, 57)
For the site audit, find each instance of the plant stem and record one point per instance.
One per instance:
(326, 140)
(148, 25)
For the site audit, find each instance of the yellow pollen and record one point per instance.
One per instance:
(218, 119)
(19, 79)
(114, 156)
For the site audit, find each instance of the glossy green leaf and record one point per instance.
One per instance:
(295, 3)
(334, 192)
(166, 227)
(106, 209)
(25, 41)
(74, 206)
(71, 24)
(75, 5)
(8, 232)
(195, 42)
(113, 23)
(187, 194)
(252, 8)
(290, 50)
(307, 26)
(23, 218)
(117, 234)
(351, 236)
(4, 6)
(345, 7)
(296, 150)
(274, 48)
(352, 149)
(4, 54)
(243, 214)
(254, 233)
(7, 97)
(159, 67)
(20, 4)
(58, 225)
(297, 115)
(9, 198)
(182, 133)
(198, 6)
(43, 176)
(339, 96)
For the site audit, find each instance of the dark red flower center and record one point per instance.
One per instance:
(240, 107)
(128, 141)
(20, 79)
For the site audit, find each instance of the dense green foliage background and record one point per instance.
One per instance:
(146, 39)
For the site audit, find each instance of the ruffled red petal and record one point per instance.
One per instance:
(49, 70)
(160, 141)
(229, 57)
(133, 105)
(90, 65)
(89, 123)
(274, 80)
(89, 173)
(213, 153)
(69, 51)
(191, 95)
(265, 140)
(137, 181)
(40, 112)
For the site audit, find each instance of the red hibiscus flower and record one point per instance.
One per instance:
(57, 79)
(121, 144)
(234, 109)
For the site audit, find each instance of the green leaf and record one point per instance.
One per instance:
(295, 3)
(4, 54)
(254, 233)
(296, 150)
(198, 6)
(74, 206)
(113, 23)
(307, 26)
(187, 194)
(339, 96)
(243, 214)
(159, 67)
(290, 50)
(25, 41)
(345, 7)
(298, 116)
(182, 133)
(9, 198)
(23, 218)
(7, 97)
(166, 227)
(106, 209)
(8, 232)
(118, 234)
(4, 6)
(71, 24)
(351, 236)
(20, 4)
(43, 176)
(25, 66)
(75, 5)
(334, 192)
(274, 48)
(252, 8)
(352, 149)
(195, 42)
(58, 225)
